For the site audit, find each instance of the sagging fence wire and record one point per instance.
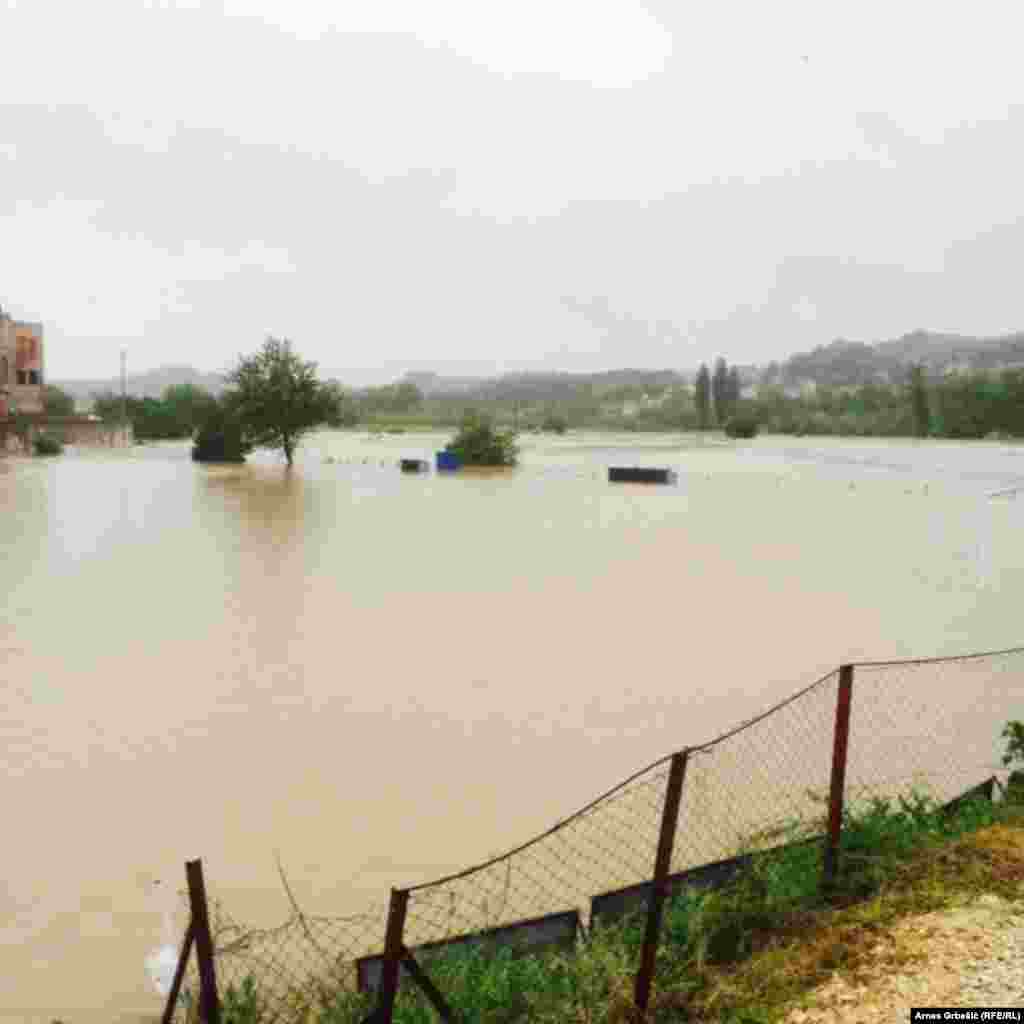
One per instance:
(861, 734)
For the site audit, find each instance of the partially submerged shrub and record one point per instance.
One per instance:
(220, 439)
(743, 424)
(44, 444)
(480, 443)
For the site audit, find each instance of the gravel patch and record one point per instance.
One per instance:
(963, 957)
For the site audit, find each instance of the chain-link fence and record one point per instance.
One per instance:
(745, 789)
(868, 732)
(931, 724)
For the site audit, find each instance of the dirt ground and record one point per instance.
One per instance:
(968, 956)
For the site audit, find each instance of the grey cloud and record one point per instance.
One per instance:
(412, 206)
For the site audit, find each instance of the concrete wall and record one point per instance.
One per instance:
(91, 434)
(77, 430)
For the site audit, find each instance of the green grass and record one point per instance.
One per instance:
(739, 954)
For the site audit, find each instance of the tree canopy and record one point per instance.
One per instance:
(276, 397)
(57, 402)
(177, 415)
(187, 407)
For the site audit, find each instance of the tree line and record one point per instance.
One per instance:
(272, 399)
(965, 405)
(175, 415)
(956, 406)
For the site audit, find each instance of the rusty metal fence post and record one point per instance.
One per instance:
(394, 953)
(659, 889)
(209, 1002)
(840, 744)
(179, 974)
(428, 988)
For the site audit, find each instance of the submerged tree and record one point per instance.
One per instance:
(276, 397)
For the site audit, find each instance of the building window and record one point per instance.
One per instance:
(33, 376)
(22, 377)
(4, 370)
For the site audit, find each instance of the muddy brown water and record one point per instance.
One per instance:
(386, 677)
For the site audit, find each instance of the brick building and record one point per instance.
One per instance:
(21, 365)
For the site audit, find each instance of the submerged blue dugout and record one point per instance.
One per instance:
(447, 461)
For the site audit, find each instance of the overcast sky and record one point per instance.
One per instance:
(485, 186)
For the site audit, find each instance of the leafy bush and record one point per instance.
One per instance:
(46, 445)
(57, 402)
(743, 424)
(243, 1005)
(220, 438)
(480, 443)
(1014, 736)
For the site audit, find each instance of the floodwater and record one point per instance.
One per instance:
(384, 677)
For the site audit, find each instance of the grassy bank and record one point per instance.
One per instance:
(741, 954)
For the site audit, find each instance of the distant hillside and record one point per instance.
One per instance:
(542, 387)
(431, 384)
(840, 363)
(849, 363)
(150, 384)
(936, 350)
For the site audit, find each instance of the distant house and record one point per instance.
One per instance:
(21, 365)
